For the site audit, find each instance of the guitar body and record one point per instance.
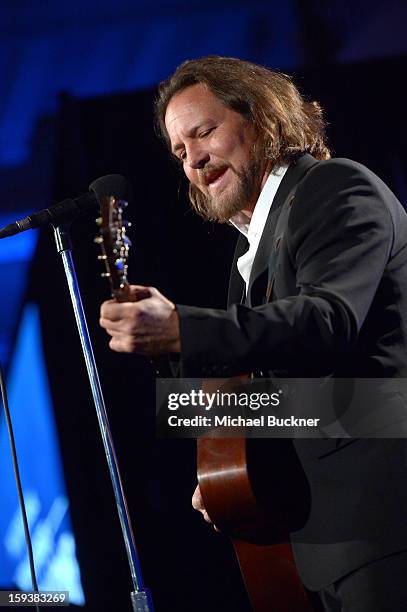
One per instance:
(251, 490)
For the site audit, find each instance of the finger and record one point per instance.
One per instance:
(106, 304)
(123, 344)
(206, 517)
(197, 501)
(115, 311)
(120, 326)
(198, 504)
(112, 332)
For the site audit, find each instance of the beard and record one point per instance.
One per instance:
(223, 207)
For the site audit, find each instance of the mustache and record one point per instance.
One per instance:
(212, 168)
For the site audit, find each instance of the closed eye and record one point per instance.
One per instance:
(181, 155)
(206, 132)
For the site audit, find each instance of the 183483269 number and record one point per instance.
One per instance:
(13, 599)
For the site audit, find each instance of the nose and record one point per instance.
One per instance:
(197, 157)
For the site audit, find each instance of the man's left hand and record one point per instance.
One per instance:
(147, 325)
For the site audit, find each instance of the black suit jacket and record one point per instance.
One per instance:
(337, 266)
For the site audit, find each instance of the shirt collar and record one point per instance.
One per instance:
(253, 228)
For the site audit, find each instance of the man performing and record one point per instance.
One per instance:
(324, 295)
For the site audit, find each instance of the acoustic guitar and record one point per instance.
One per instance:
(254, 490)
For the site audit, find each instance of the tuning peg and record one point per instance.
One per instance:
(105, 274)
(98, 240)
(102, 257)
(99, 220)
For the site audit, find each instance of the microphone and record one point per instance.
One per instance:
(111, 185)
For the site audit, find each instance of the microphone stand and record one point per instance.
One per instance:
(141, 598)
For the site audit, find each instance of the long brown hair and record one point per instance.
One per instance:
(287, 124)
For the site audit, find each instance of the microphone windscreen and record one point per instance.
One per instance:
(114, 185)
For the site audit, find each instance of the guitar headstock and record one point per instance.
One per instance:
(114, 244)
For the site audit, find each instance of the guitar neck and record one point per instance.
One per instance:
(122, 294)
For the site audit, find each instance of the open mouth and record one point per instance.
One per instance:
(214, 177)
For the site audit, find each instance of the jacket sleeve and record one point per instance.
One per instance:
(339, 238)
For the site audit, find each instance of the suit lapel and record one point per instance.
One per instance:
(260, 273)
